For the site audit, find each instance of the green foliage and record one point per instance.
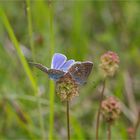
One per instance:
(82, 30)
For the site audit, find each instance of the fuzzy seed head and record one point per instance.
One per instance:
(109, 63)
(67, 88)
(111, 109)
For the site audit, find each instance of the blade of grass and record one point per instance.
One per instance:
(30, 30)
(17, 47)
(51, 84)
(77, 129)
(78, 34)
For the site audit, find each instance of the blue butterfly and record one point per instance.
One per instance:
(61, 66)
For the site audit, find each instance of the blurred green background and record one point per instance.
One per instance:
(82, 30)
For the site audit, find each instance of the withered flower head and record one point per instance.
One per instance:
(109, 63)
(67, 88)
(111, 109)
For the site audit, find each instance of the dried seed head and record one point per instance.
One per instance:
(111, 109)
(109, 63)
(67, 88)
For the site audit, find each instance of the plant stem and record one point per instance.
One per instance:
(51, 117)
(99, 110)
(136, 126)
(109, 131)
(68, 121)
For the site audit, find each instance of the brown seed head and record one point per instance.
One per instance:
(109, 63)
(110, 109)
(67, 88)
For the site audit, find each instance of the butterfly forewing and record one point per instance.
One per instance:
(80, 71)
(40, 66)
(58, 61)
(53, 73)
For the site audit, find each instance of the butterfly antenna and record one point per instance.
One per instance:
(39, 66)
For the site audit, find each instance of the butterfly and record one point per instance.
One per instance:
(60, 66)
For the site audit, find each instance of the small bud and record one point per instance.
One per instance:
(111, 109)
(109, 63)
(67, 88)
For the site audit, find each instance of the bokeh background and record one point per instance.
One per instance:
(82, 30)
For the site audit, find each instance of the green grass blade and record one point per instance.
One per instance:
(51, 86)
(77, 129)
(18, 49)
(29, 18)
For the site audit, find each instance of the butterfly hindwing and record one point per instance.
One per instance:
(67, 65)
(55, 74)
(80, 71)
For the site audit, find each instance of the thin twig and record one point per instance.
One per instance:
(99, 110)
(68, 121)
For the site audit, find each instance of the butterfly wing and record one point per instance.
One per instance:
(40, 66)
(53, 73)
(67, 65)
(58, 61)
(80, 71)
